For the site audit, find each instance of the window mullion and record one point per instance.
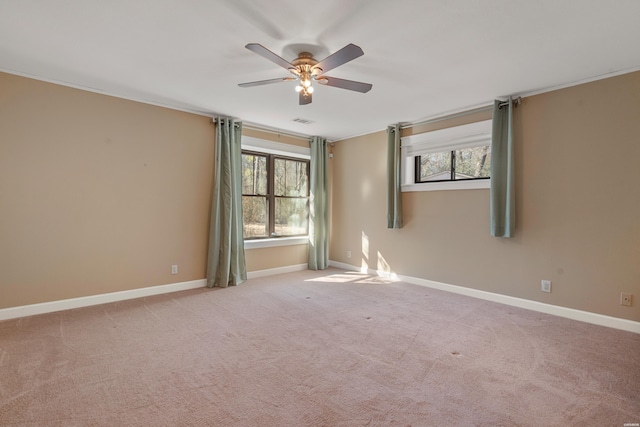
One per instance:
(271, 195)
(453, 165)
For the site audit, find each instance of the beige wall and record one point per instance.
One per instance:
(100, 194)
(280, 256)
(578, 207)
(97, 194)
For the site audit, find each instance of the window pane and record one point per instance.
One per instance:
(435, 167)
(473, 162)
(291, 216)
(254, 174)
(290, 178)
(254, 215)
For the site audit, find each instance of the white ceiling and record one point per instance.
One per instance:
(424, 57)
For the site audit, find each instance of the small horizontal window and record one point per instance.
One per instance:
(447, 159)
(454, 165)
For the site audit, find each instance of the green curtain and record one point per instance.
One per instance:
(394, 178)
(318, 209)
(503, 207)
(226, 262)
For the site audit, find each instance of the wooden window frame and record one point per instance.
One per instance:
(271, 196)
(418, 164)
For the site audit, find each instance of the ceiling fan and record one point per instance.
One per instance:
(305, 69)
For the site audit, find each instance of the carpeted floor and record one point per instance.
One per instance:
(315, 349)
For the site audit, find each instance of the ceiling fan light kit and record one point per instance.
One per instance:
(306, 69)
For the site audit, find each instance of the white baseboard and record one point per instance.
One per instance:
(350, 267)
(570, 313)
(278, 270)
(67, 304)
(584, 316)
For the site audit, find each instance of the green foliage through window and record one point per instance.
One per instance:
(455, 165)
(275, 195)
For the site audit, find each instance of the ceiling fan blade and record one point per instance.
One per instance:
(266, 53)
(345, 84)
(266, 82)
(304, 98)
(344, 55)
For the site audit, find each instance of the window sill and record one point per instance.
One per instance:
(280, 241)
(448, 185)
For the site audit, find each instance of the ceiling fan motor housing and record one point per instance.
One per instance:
(304, 58)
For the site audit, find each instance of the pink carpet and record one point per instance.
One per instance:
(315, 349)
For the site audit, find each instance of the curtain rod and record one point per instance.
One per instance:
(215, 121)
(278, 132)
(447, 117)
(481, 109)
(516, 102)
(275, 131)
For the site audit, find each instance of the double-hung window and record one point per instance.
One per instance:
(275, 190)
(448, 159)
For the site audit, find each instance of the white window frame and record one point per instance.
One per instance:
(259, 145)
(454, 138)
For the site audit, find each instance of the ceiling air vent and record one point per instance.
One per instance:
(303, 121)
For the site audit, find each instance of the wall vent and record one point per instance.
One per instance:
(303, 121)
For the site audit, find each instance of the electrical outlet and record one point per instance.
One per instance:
(625, 299)
(348, 254)
(174, 269)
(545, 286)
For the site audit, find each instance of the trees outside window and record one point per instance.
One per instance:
(275, 195)
(454, 165)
